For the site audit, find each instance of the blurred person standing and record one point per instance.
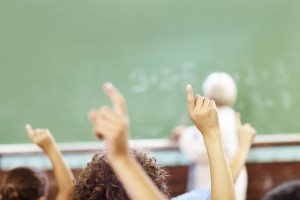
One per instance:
(220, 87)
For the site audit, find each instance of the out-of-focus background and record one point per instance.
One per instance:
(55, 56)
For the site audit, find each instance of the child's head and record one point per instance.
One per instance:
(98, 180)
(220, 87)
(289, 190)
(24, 183)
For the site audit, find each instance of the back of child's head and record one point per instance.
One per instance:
(98, 180)
(220, 87)
(23, 183)
(285, 191)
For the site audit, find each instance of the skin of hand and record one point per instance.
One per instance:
(112, 124)
(203, 113)
(63, 175)
(246, 133)
(41, 137)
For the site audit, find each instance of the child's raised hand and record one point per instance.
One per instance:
(41, 137)
(112, 123)
(202, 111)
(246, 133)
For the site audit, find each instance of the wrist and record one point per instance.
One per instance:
(119, 160)
(49, 148)
(213, 134)
(119, 157)
(213, 143)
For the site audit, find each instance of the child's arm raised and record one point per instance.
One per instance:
(203, 113)
(113, 125)
(63, 175)
(246, 135)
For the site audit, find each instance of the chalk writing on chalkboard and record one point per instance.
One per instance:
(166, 78)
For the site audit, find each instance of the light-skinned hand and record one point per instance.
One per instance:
(203, 112)
(246, 133)
(112, 124)
(41, 137)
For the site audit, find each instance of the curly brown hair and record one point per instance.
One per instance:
(24, 183)
(98, 181)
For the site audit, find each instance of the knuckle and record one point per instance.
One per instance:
(103, 110)
(124, 122)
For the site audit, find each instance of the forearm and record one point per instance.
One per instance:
(221, 179)
(238, 161)
(62, 173)
(135, 181)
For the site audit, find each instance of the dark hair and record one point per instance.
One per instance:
(98, 181)
(285, 191)
(23, 183)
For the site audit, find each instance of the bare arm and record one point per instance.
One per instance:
(203, 113)
(63, 175)
(246, 135)
(113, 125)
(135, 181)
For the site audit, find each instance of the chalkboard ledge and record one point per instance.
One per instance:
(152, 144)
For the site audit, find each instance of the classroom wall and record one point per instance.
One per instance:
(262, 177)
(270, 162)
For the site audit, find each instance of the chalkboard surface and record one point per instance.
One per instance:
(55, 56)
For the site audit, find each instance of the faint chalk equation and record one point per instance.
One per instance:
(166, 78)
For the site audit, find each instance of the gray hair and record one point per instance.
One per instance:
(220, 87)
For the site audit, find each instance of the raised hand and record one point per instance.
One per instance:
(112, 124)
(246, 133)
(202, 111)
(41, 137)
(63, 175)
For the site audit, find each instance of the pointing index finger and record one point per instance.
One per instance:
(190, 98)
(117, 99)
(29, 130)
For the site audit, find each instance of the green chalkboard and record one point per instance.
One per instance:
(55, 56)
